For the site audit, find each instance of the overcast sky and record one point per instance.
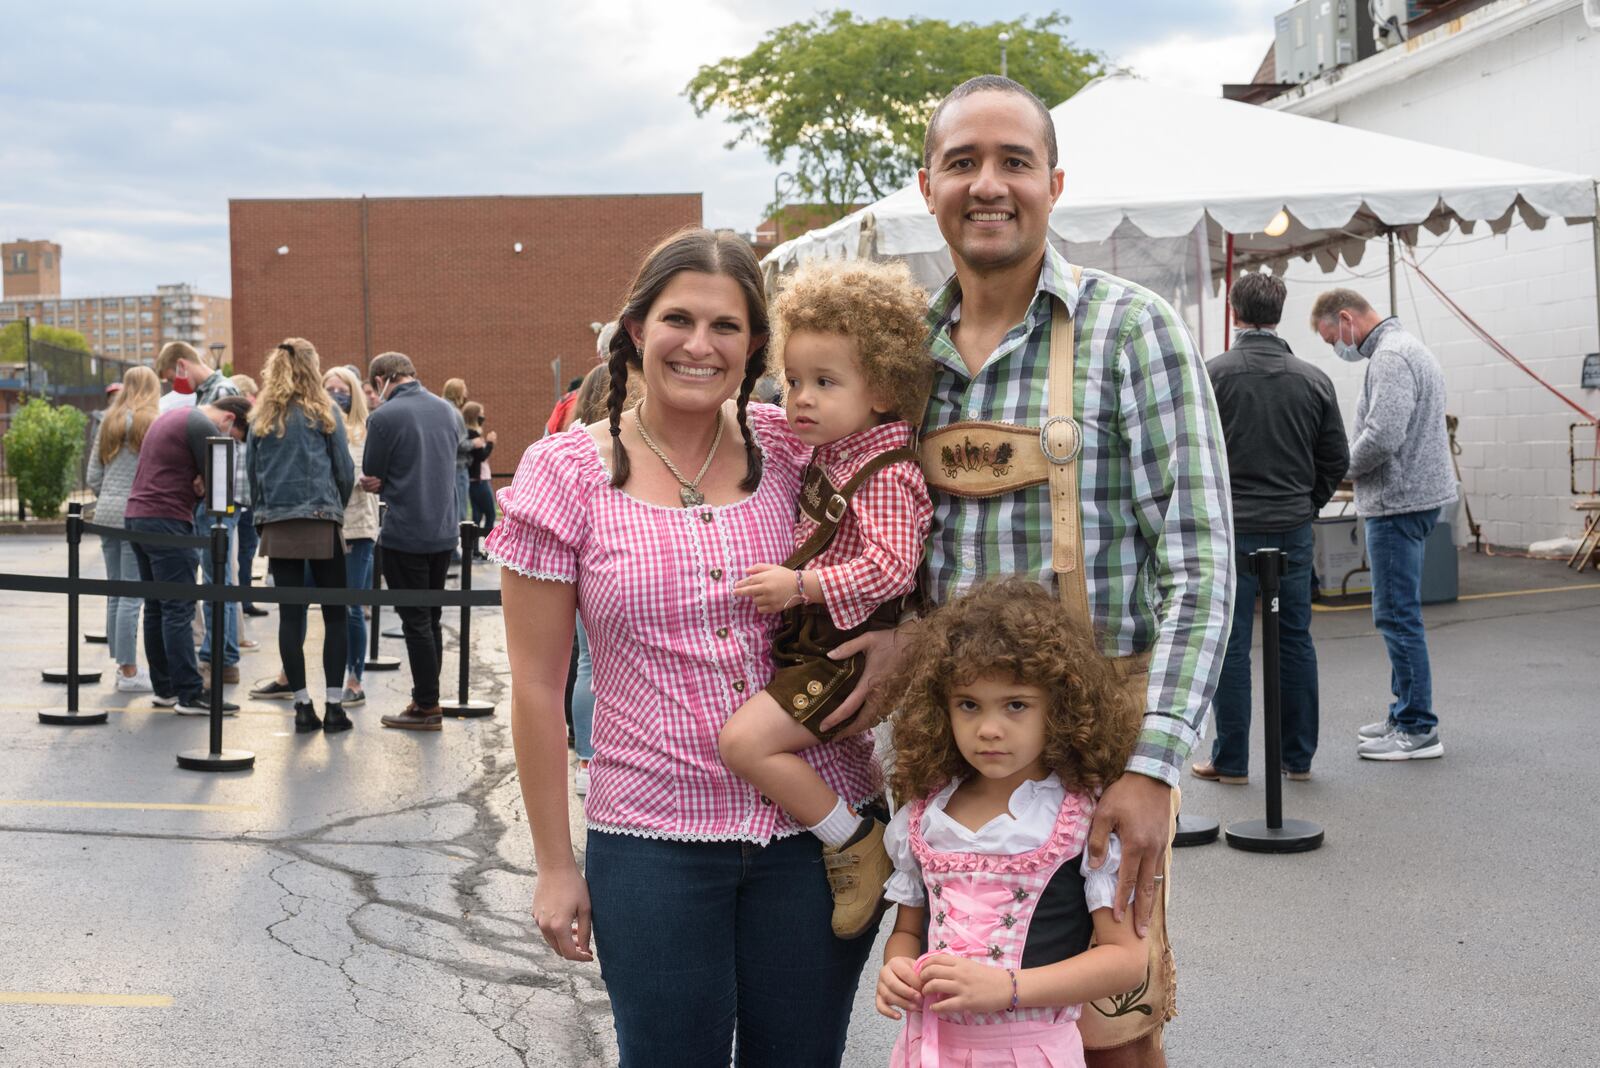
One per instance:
(125, 129)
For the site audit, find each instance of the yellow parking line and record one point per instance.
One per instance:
(1466, 597)
(136, 806)
(99, 1001)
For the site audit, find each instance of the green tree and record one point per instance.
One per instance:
(42, 451)
(11, 340)
(850, 98)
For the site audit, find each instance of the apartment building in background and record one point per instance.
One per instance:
(131, 328)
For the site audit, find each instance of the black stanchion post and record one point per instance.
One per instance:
(465, 707)
(376, 661)
(1273, 834)
(219, 502)
(70, 716)
(73, 673)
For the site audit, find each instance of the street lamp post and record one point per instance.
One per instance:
(216, 348)
(1005, 39)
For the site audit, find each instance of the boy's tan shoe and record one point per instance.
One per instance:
(856, 874)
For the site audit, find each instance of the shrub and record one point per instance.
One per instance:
(42, 451)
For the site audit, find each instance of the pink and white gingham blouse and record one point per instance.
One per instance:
(675, 653)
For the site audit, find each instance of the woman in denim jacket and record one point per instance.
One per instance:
(300, 477)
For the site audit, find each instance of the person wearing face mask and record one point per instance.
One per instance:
(1400, 464)
(166, 486)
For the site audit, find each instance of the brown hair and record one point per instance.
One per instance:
(882, 310)
(1334, 301)
(455, 391)
(390, 365)
(472, 414)
(173, 351)
(705, 251)
(292, 378)
(991, 83)
(1257, 298)
(1017, 630)
(139, 397)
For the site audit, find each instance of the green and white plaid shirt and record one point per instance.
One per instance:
(1153, 486)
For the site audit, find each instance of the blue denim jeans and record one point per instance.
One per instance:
(122, 613)
(203, 523)
(1297, 659)
(1394, 549)
(703, 942)
(249, 542)
(169, 625)
(357, 576)
(583, 700)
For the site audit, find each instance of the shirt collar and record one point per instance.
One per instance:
(1055, 279)
(1252, 331)
(1370, 345)
(864, 444)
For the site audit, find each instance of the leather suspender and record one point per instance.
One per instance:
(839, 503)
(1061, 439)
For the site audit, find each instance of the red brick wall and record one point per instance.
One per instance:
(445, 287)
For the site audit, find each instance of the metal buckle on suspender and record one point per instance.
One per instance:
(839, 502)
(1077, 440)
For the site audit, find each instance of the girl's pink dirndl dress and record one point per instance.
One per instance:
(980, 906)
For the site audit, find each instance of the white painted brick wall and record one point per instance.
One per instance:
(1532, 97)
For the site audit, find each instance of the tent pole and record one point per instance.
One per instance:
(1594, 225)
(1227, 291)
(1394, 300)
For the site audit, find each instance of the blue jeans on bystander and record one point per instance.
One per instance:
(357, 576)
(700, 942)
(1394, 549)
(122, 613)
(169, 625)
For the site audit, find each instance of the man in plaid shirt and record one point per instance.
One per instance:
(1153, 482)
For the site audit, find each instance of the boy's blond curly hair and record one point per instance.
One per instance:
(877, 306)
(1016, 630)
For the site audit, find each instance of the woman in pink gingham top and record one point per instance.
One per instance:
(707, 914)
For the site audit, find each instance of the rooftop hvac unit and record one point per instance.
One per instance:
(1389, 19)
(1315, 36)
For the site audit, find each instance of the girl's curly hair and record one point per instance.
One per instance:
(877, 306)
(1016, 630)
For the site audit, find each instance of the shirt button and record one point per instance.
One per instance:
(766, 801)
(716, 574)
(722, 632)
(706, 516)
(738, 685)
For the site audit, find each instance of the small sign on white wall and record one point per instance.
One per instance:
(1591, 363)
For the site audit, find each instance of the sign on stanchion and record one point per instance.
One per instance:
(1273, 834)
(465, 706)
(376, 661)
(219, 503)
(73, 673)
(71, 716)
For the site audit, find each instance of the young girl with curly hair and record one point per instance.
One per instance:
(1010, 726)
(852, 347)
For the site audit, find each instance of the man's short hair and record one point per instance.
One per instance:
(234, 405)
(1258, 298)
(173, 351)
(391, 365)
(991, 83)
(1334, 301)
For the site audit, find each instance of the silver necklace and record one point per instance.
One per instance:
(689, 491)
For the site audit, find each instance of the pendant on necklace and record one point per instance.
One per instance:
(691, 497)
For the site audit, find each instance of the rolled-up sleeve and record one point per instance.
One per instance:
(1181, 500)
(544, 512)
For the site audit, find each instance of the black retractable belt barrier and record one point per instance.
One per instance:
(376, 661)
(1273, 834)
(466, 707)
(70, 716)
(217, 758)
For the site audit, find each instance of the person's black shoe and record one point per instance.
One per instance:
(305, 718)
(273, 690)
(334, 720)
(254, 610)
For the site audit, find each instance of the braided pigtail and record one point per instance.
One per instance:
(623, 357)
(754, 368)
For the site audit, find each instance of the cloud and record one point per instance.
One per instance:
(1197, 63)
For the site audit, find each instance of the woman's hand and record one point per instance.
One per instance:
(899, 986)
(561, 909)
(962, 985)
(770, 586)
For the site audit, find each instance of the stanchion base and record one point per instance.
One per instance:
(383, 663)
(61, 717)
(1254, 836)
(1194, 831)
(94, 637)
(471, 708)
(227, 760)
(393, 632)
(62, 675)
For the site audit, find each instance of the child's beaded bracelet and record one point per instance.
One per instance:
(1013, 1006)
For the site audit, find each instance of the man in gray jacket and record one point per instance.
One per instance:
(1400, 463)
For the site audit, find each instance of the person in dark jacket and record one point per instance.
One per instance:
(301, 475)
(1286, 455)
(410, 462)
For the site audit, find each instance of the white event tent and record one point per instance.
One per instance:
(1177, 190)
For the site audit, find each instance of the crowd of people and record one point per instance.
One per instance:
(318, 448)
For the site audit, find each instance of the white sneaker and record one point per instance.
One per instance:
(138, 682)
(580, 782)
